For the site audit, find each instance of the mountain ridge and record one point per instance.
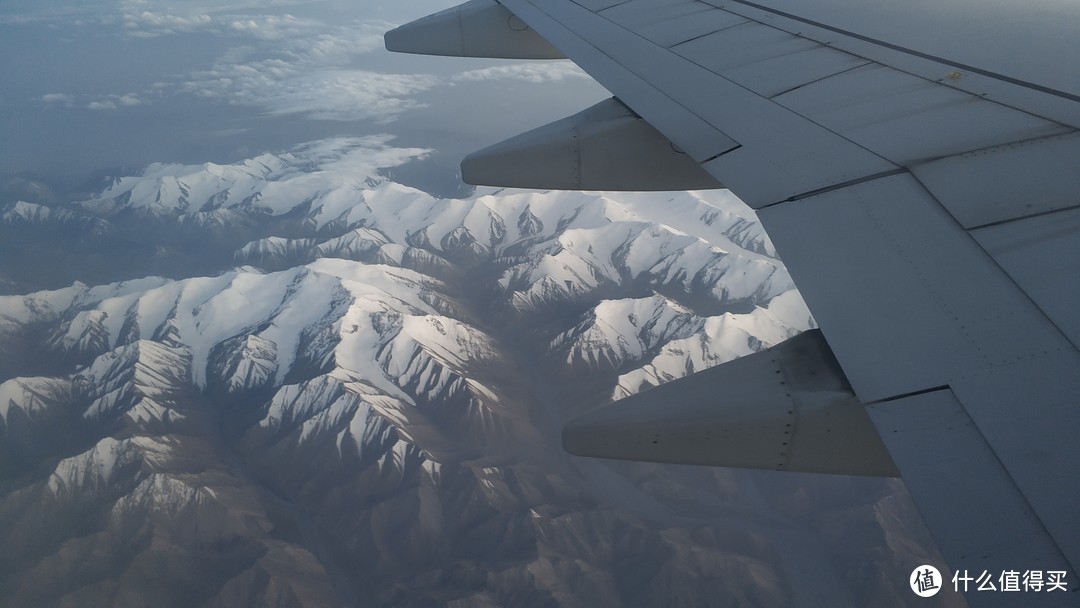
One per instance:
(366, 410)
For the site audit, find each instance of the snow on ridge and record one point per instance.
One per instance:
(32, 212)
(22, 214)
(376, 279)
(137, 380)
(200, 314)
(253, 363)
(330, 174)
(274, 246)
(581, 260)
(93, 468)
(570, 242)
(721, 339)
(86, 333)
(166, 494)
(335, 179)
(393, 350)
(618, 331)
(259, 318)
(715, 216)
(299, 402)
(47, 306)
(30, 395)
(449, 339)
(317, 407)
(381, 324)
(353, 243)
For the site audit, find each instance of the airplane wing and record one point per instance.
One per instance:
(917, 165)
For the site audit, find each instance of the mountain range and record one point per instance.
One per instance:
(291, 381)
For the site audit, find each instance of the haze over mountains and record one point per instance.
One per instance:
(291, 381)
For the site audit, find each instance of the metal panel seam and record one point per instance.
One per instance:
(840, 186)
(816, 80)
(1063, 113)
(1001, 465)
(616, 61)
(553, 22)
(1023, 217)
(1008, 277)
(542, 9)
(1001, 270)
(699, 36)
(989, 74)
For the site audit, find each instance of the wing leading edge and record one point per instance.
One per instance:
(928, 208)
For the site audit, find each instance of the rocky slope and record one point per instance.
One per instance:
(361, 407)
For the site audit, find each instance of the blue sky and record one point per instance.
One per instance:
(100, 87)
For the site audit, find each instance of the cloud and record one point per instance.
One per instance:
(327, 94)
(349, 95)
(548, 71)
(113, 102)
(282, 64)
(148, 24)
(46, 12)
(129, 100)
(273, 27)
(52, 98)
(102, 104)
(144, 19)
(309, 73)
(354, 157)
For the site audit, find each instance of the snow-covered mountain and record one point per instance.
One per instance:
(362, 406)
(325, 178)
(21, 213)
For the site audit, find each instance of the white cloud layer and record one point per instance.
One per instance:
(149, 18)
(129, 100)
(539, 73)
(284, 64)
(273, 27)
(309, 72)
(148, 23)
(113, 102)
(51, 98)
(349, 95)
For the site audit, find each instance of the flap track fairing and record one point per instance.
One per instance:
(787, 408)
(478, 28)
(605, 147)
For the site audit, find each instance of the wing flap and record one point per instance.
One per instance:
(788, 408)
(606, 147)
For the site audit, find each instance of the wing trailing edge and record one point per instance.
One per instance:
(605, 147)
(787, 408)
(478, 28)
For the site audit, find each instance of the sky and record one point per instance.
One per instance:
(97, 88)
